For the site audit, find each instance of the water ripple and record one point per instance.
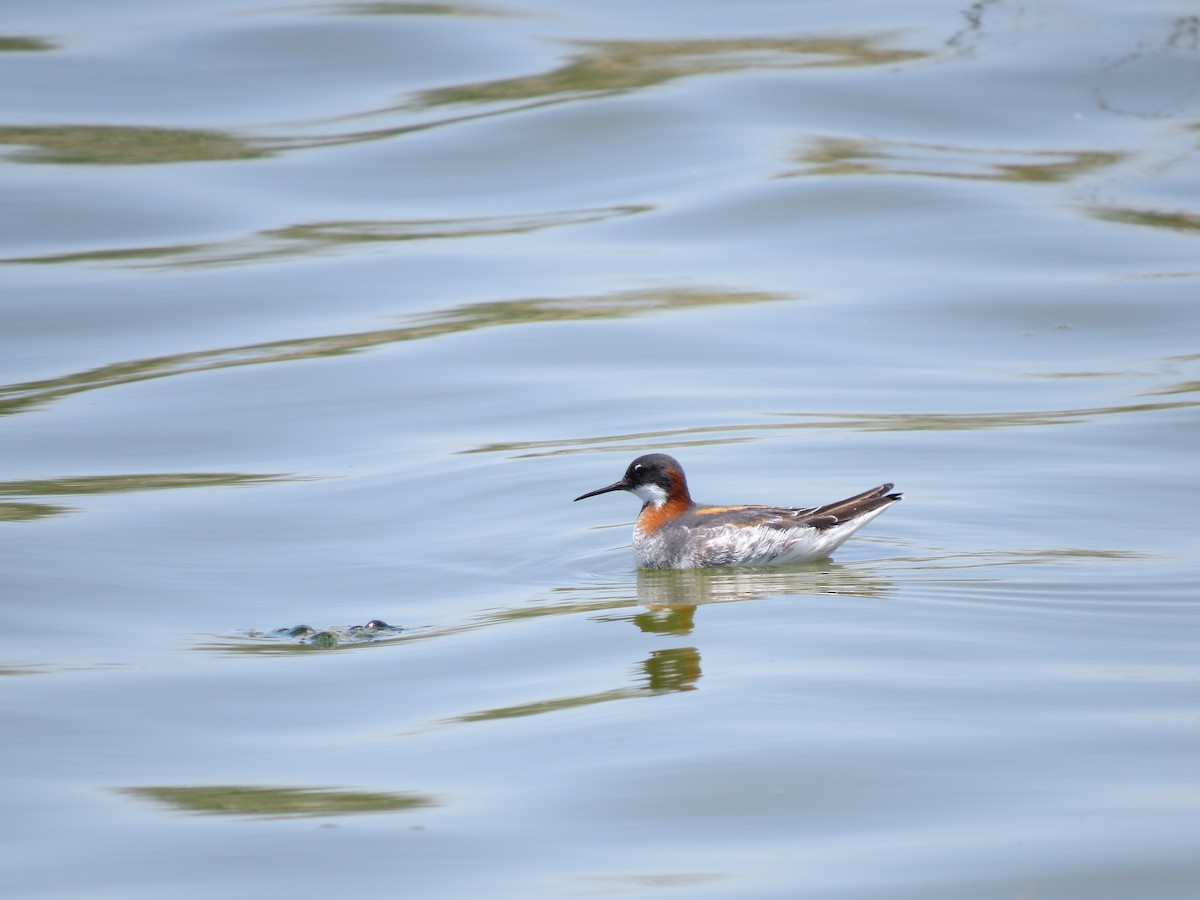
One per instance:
(20, 397)
(319, 238)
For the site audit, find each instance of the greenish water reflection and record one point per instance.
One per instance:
(606, 67)
(1153, 218)
(23, 43)
(664, 671)
(316, 238)
(20, 397)
(856, 156)
(707, 435)
(244, 800)
(125, 145)
(108, 484)
(599, 68)
(21, 512)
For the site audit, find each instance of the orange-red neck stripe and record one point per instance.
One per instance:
(678, 502)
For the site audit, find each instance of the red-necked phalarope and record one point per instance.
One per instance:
(673, 532)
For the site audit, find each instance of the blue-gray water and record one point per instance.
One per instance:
(316, 314)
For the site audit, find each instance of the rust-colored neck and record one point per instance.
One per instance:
(678, 502)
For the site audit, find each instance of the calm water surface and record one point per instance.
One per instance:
(314, 314)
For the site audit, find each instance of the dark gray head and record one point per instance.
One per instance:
(656, 478)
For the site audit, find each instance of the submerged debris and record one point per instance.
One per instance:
(374, 630)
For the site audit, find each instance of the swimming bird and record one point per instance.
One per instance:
(674, 532)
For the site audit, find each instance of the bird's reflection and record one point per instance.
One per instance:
(680, 591)
(670, 598)
(667, 604)
(673, 669)
(666, 620)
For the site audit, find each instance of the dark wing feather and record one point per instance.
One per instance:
(851, 508)
(821, 517)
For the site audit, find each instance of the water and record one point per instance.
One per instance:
(320, 314)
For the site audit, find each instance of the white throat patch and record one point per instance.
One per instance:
(651, 493)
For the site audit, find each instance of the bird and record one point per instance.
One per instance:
(674, 532)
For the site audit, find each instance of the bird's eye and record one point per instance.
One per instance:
(638, 467)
